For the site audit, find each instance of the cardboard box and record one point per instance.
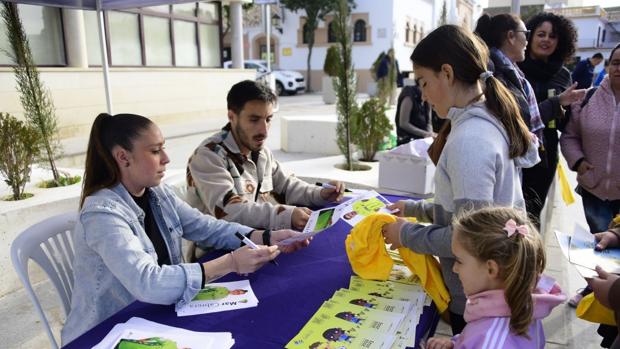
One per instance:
(406, 173)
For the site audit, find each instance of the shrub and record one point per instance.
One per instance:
(19, 145)
(330, 67)
(370, 127)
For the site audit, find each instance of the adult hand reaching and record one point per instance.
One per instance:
(283, 234)
(333, 192)
(602, 284)
(570, 95)
(300, 216)
(606, 239)
(247, 260)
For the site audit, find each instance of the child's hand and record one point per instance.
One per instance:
(606, 239)
(398, 208)
(391, 233)
(439, 343)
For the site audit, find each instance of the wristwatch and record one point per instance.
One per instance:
(267, 237)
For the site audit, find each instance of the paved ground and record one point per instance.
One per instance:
(20, 327)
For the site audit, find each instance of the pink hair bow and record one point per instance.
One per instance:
(511, 228)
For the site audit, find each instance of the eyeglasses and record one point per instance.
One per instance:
(526, 32)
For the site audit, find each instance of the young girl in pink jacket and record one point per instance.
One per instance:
(500, 259)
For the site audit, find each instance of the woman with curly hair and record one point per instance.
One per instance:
(551, 45)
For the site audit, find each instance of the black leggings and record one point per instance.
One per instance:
(457, 322)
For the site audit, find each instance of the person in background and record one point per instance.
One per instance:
(128, 234)
(551, 46)
(601, 75)
(388, 74)
(232, 175)
(480, 162)
(500, 259)
(584, 70)
(606, 286)
(507, 37)
(413, 116)
(591, 147)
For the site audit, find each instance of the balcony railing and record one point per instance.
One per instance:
(584, 11)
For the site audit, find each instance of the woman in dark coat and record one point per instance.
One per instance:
(551, 45)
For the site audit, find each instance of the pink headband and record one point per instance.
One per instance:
(511, 228)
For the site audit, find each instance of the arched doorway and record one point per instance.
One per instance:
(259, 48)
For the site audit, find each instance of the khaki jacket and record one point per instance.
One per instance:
(223, 182)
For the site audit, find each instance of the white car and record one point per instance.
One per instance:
(287, 81)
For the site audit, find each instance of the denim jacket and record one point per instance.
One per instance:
(116, 264)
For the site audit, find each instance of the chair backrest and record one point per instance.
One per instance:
(50, 244)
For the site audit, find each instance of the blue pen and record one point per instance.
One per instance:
(250, 243)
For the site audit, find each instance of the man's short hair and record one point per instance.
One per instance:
(248, 90)
(598, 55)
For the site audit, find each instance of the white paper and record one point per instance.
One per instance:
(138, 328)
(417, 148)
(581, 252)
(564, 242)
(355, 210)
(222, 296)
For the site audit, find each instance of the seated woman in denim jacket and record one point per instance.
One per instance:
(128, 234)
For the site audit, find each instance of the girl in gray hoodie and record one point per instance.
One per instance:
(480, 162)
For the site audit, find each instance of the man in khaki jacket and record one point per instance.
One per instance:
(233, 176)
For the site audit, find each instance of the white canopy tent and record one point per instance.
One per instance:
(100, 6)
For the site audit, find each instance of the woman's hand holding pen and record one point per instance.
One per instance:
(247, 260)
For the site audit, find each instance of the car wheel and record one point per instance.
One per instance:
(279, 88)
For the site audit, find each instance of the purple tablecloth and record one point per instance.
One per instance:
(288, 294)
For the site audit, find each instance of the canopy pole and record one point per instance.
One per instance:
(104, 57)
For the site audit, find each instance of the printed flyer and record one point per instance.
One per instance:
(218, 297)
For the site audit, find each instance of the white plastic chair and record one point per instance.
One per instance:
(50, 244)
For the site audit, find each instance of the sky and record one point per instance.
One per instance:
(602, 3)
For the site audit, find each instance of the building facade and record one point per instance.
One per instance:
(376, 25)
(165, 63)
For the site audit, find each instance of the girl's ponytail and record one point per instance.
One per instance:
(503, 105)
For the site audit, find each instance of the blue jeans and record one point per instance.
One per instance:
(599, 213)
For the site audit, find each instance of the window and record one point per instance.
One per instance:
(306, 35)
(43, 27)
(331, 32)
(359, 31)
(157, 41)
(124, 38)
(407, 33)
(209, 45)
(93, 47)
(415, 34)
(185, 45)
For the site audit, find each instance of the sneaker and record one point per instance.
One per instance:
(574, 301)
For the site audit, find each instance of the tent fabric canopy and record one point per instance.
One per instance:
(105, 4)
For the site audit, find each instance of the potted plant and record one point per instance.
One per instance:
(330, 68)
(370, 128)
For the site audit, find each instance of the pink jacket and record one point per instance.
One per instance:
(488, 319)
(593, 133)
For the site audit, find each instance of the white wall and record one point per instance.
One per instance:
(588, 28)
(164, 94)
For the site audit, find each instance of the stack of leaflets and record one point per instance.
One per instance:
(218, 297)
(138, 333)
(579, 250)
(362, 203)
(370, 314)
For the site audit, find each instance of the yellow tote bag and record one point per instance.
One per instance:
(590, 309)
(567, 192)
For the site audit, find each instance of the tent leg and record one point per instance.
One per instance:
(104, 57)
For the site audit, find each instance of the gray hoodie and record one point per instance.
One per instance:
(474, 170)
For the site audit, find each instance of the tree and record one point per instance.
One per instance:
(345, 83)
(18, 148)
(315, 12)
(35, 98)
(443, 17)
